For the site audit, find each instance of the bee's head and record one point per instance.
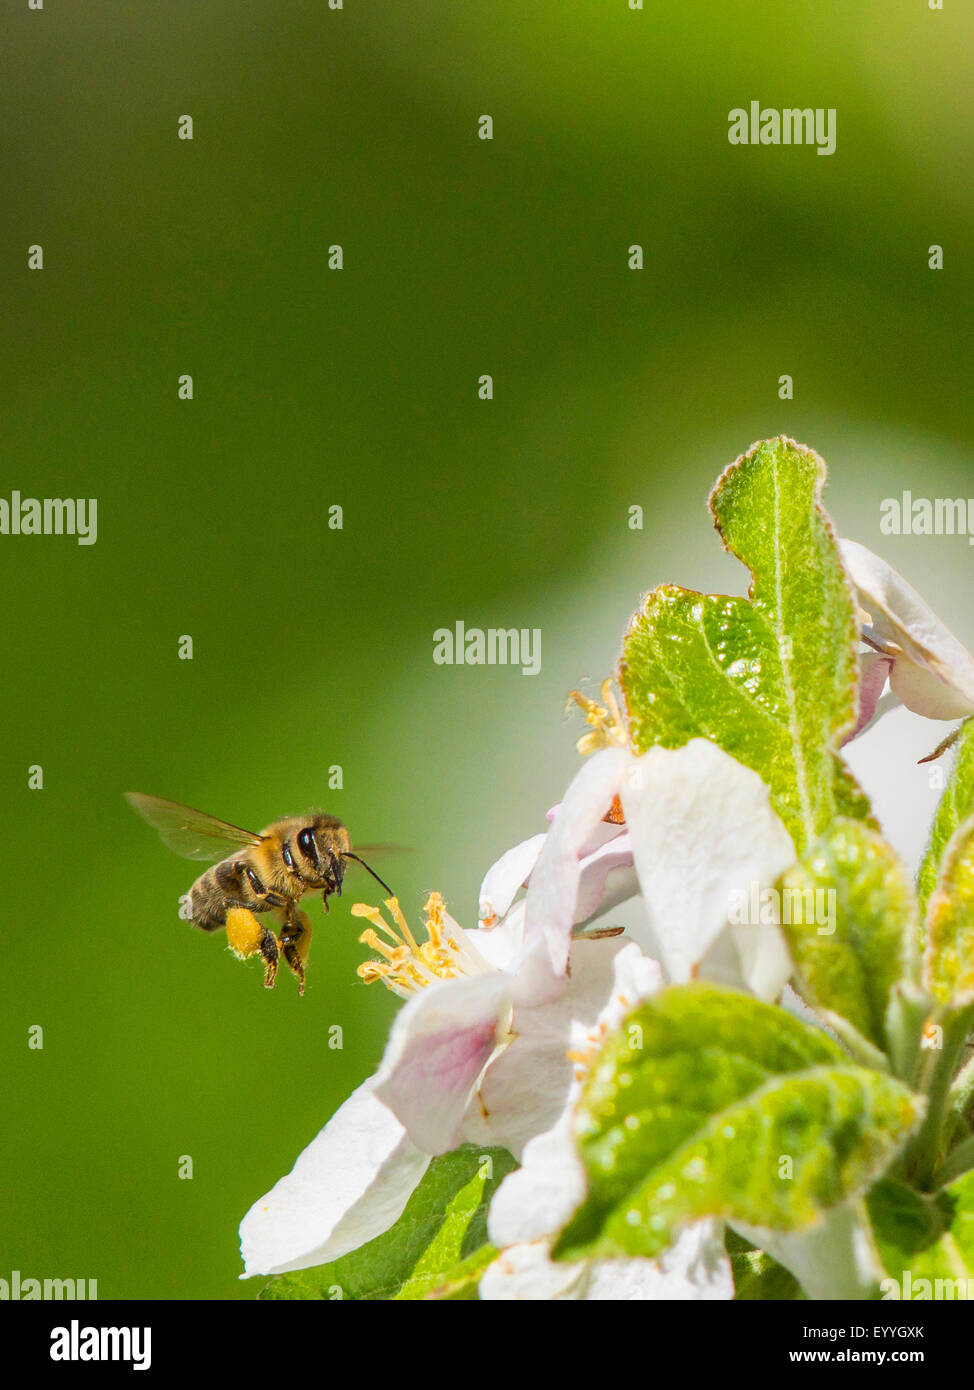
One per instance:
(319, 847)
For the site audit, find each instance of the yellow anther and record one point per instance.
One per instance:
(435, 909)
(606, 719)
(370, 937)
(410, 966)
(583, 1057)
(372, 913)
(372, 970)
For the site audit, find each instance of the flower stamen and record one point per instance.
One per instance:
(410, 965)
(608, 725)
(583, 1057)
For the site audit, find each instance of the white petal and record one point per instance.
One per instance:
(552, 897)
(528, 1088)
(539, 1198)
(349, 1185)
(439, 1045)
(702, 828)
(500, 946)
(834, 1259)
(749, 956)
(526, 1272)
(934, 676)
(503, 879)
(695, 1268)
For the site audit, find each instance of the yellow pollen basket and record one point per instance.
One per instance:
(407, 965)
(608, 726)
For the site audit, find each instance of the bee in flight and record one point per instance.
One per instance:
(266, 871)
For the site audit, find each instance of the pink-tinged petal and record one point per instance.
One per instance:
(349, 1185)
(933, 672)
(928, 693)
(702, 830)
(600, 835)
(552, 899)
(503, 879)
(530, 1085)
(440, 1043)
(607, 878)
(874, 671)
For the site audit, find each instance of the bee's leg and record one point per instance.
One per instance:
(245, 936)
(270, 899)
(296, 943)
(269, 950)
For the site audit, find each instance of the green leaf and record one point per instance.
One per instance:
(772, 678)
(856, 925)
(850, 799)
(699, 1120)
(956, 805)
(461, 1283)
(756, 1275)
(459, 1252)
(440, 1239)
(922, 1238)
(949, 961)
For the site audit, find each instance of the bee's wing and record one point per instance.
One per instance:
(193, 834)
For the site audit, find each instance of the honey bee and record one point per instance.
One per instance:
(266, 871)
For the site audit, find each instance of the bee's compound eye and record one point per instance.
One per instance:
(306, 844)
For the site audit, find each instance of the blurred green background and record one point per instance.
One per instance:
(314, 387)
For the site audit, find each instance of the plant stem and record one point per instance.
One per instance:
(961, 1097)
(959, 1161)
(936, 1073)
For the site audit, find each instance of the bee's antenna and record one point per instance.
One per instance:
(347, 854)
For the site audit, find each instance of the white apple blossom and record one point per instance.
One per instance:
(698, 825)
(463, 1064)
(929, 669)
(498, 1023)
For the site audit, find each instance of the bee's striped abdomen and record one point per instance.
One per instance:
(222, 887)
